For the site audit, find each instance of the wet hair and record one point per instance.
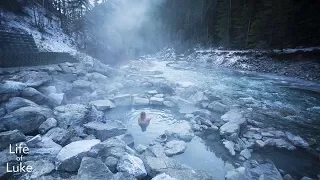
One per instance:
(142, 115)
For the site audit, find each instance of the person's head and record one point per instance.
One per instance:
(143, 115)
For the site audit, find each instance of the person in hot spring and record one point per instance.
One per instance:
(144, 121)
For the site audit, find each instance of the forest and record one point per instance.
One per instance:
(131, 28)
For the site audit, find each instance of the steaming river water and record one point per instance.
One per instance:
(282, 103)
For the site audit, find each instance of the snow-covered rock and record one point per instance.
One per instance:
(123, 100)
(156, 101)
(70, 156)
(106, 130)
(71, 115)
(180, 131)
(140, 101)
(132, 165)
(94, 169)
(163, 176)
(175, 147)
(47, 125)
(230, 146)
(140, 148)
(103, 105)
(245, 153)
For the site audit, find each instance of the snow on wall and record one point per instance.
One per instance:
(52, 40)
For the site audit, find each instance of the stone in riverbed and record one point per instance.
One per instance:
(16, 103)
(175, 147)
(10, 137)
(252, 135)
(264, 171)
(26, 119)
(71, 115)
(103, 105)
(94, 169)
(246, 153)
(230, 128)
(180, 131)
(123, 100)
(259, 143)
(217, 106)
(140, 101)
(70, 156)
(163, 176)
(47, 125)
(233, 115)
(296, 140)
(132, 165)
(59, 135)
(279, 143)
(236, 174)
(106, 130)
(156, 101)
(230, 146)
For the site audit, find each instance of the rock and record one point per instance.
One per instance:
(34, 78)
(103, 105)
(265, 171)
(106, 130)
(140, 101)
(204, 121)
(39, 168)
(245, 153)
(97, 77)
(141, 148)
(188, 174)
(123, 100)
(297, 140)
(233, 115)
(111, 162)
(122, 176)
(288, 177)
(230, 128)
(10, 137)
(59, 98)
(217, 106)
(259, 144)
(94, 169)
(181, 131)
(305, 178)
(252, 135)
(26, 119)
(236, 174)
(37, 97)
(279, 143)
(47, 125)
(59, 135)
(153, 92)
(156, 165)
(198, 97)
(48, 89)
(230, 146)
(69, 158)
(110, 147)
(175, 147)
(168, 104)
(10, 89)
(128, 139)
(71, 115)
(16, 103)
(82, 85)
(43, 147)
(2, 128)
(267, 134)
(156, 101)
(163, 176)
(132, 165)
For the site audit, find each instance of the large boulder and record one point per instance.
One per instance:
(156, 101)
(70, 156)
(71, 115)
(297, 140)
(123, 100)
(10, 89)
(175, 147)
(106, 130)
(181, 130)
(18, 102)
(156, 165)
(91, 168)
(59, 135)
(103, 105)
(10, 137)
(110, 147)
(140, 101)
(34, 78)
(132, 165)
(26, 119)
(47, 125)
(265, 171)
(236, 174)
(163, 176)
